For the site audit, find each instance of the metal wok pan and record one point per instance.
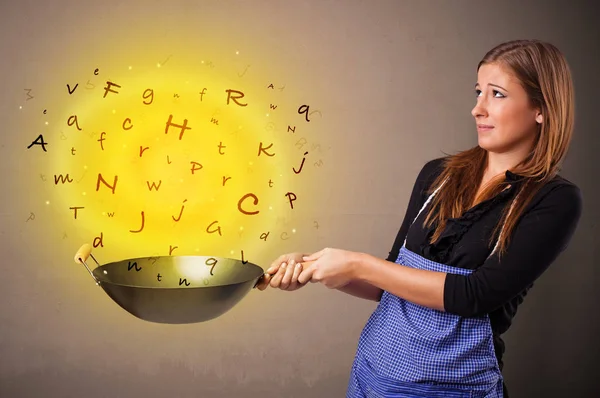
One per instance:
(174, 289)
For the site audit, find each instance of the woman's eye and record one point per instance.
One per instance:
(497, 94)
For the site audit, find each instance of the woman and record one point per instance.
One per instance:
(481, 226)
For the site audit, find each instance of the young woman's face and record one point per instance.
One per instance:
(506, 121)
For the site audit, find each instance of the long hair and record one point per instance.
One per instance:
(545, 75)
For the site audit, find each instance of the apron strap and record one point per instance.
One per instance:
(425, 205)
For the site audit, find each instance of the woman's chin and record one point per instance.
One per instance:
(485, 144)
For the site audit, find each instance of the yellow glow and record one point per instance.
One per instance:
(164, 189)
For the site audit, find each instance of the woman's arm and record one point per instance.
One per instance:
(421, 287)
(541, 235)
(362, 290)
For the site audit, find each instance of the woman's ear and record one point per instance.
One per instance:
(539, 118)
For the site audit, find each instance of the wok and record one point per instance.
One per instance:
(174, 289)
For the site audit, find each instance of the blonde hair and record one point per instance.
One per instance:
(545, 75)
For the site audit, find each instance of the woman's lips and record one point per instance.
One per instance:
(484, 127)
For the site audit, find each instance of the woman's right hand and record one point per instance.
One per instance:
(283, 273)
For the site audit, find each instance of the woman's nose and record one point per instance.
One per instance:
(479, 110)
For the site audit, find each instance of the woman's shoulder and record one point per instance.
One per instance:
(430, 171)
(561, 187)
(559, 192)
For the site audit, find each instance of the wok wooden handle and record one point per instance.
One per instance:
(83, 253)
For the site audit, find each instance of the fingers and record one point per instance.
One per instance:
(290, 279)
(283, 273)
(263, 282)
(276, 264)
(287, 277)
(277, 278)
(297, 271)
(307, 274)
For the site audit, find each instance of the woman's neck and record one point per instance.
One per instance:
(499, 163)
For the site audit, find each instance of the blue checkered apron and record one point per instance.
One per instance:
(408, 350)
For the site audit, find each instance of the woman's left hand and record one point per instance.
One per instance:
(334, 268)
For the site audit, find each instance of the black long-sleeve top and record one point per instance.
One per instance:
(494, 287)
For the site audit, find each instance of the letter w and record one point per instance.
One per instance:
(153, 185)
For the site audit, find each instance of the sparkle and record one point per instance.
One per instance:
(158, 65)
(237, 53)
(270, 207)
(20, 107)
(294, 230)
(130, 67)
(47, 202)
(46, 123)
(114, 111)
(83, 193)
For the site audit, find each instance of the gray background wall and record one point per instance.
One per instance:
(393, 81)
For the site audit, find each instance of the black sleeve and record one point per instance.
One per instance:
(417, 198)
(543, 232)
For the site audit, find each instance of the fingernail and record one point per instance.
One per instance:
(298, 265)
(283, 265)
(270, 270)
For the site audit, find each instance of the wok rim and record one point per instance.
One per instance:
(99, 275)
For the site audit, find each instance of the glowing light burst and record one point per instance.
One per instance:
(176, 162)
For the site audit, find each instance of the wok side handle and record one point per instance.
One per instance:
(260, 281)
(84, 252)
